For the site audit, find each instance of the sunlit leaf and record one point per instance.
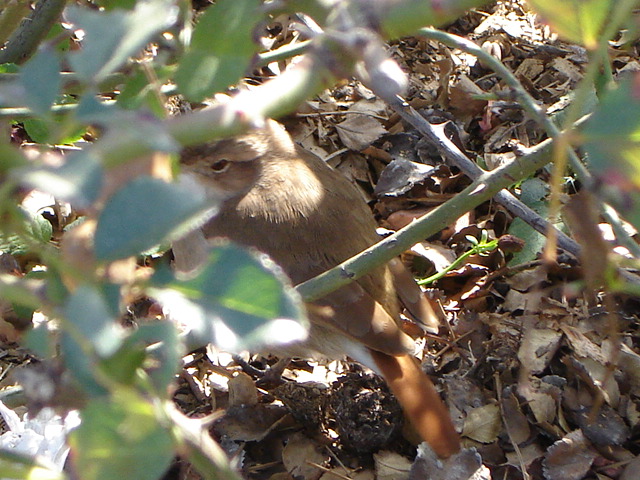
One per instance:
(612, 141)
(14, 465)
(578, 21)
(221, 50)
(238, 301)
(111, 37)
(78, 180)
(121, 438)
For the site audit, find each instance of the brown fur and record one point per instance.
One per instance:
(288, 203)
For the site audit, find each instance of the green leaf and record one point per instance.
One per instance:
(37, 227)
(221, 50)
(81, 364)
(112, 4)
(38, 340)
(39, 130)
(121, 438)
(612, 142)
(612, 134)
(146, 129)
(165, 351)
(578, 21)
(138, 92)
(19, 466)
(10, 158)
(78, 181)
(89, 334)
(92, 321)
(122, 366)
(92, 110)
(238, 301)
(146, 212)
(9, 68)
(111, 37)
(41, 80)
(534, 194)
(20, 291)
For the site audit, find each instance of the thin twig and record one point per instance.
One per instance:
(481, 190)
(451, 152)
(529, 104)
(282, 53)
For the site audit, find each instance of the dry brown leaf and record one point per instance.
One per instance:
(483, 424)
(530, 68)
(538, 347)
(8, 333)
(567, 68)
(582, 346)
(542, 399)
(341, 473)
(606, 428)
(603, 379)
(250, 423)
(631, 470)
(391, 466)
(465, 465)
(569, 458)
(516, 421)
(280, 476)
(632, 413)
(461, 98)
(439, 255)
(402, 218)
(525, 280)
(400, 176)
(242, 391)
(629, 363)
(527, 301)
(372, 106)
(528, 455)
(359, 131)
(300, 457)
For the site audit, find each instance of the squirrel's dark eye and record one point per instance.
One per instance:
(220, 166)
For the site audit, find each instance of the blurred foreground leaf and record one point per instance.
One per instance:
(111, 37)
(221, 49)
(238, 301)
(578, 21)
(612, 141)
(146, 212)
(121, 438)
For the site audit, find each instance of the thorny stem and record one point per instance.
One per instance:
(481, 190)
(529, 104)
(435, 135)
(25, 39)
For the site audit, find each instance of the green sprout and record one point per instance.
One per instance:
(482, 246)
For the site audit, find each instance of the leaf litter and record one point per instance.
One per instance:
(525, 361)
(534, 376)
